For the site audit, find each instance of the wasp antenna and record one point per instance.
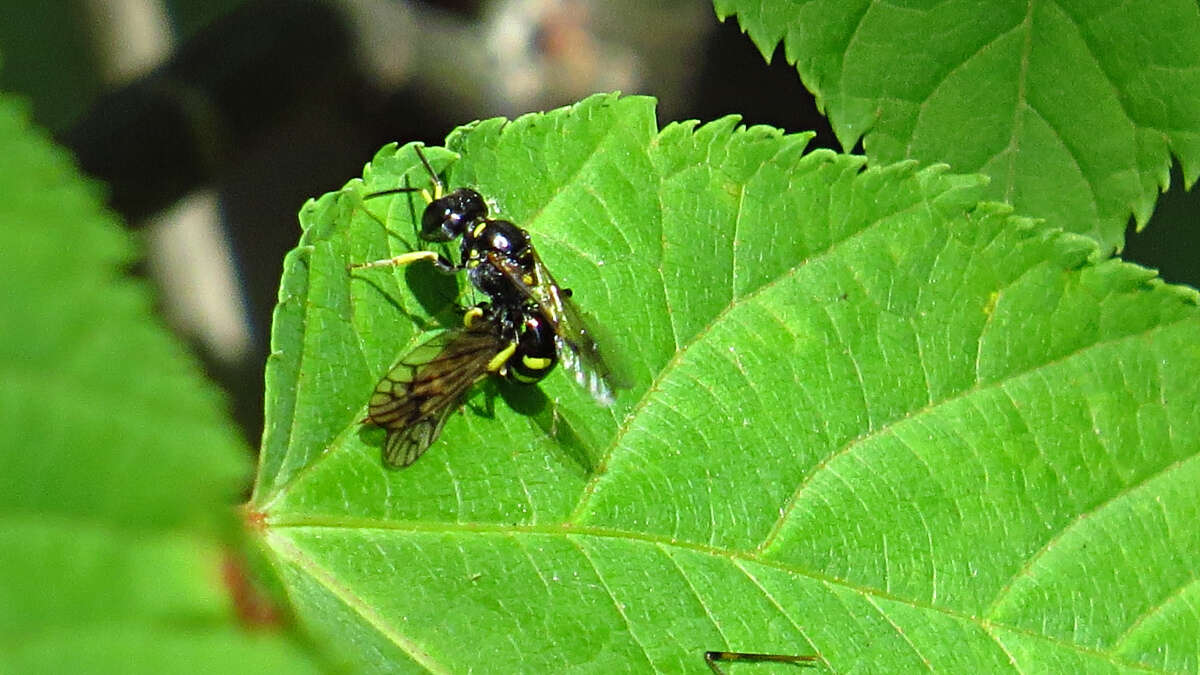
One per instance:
(438, 188)
(390, 191)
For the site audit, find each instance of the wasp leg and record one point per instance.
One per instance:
(441, 262)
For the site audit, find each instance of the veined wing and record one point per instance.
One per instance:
(427, 385)
(578, 350)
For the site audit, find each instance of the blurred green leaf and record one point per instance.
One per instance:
(874, 418)
(48, 53)
(117, 464)
(1073, 109)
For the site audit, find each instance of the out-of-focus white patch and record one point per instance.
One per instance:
(132, 37)
(387, 32)
(547, 50)
(190, 258)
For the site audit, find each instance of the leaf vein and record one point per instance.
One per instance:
(616, 603)
(997, 385)
(1027, 569)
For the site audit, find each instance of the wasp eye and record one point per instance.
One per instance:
(470, 204)
(450, 216)
(440, 222)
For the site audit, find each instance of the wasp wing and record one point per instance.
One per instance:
(420, 392)
(578, 351)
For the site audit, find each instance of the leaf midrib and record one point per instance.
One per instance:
(329, 579)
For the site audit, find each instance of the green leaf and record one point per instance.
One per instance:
(116, 460)
(874, 418)
(1073, 109)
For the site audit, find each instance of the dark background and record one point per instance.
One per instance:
(267, 104)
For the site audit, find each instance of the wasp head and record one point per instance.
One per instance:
(448, 217)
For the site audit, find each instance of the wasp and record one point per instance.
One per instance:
(530, 322)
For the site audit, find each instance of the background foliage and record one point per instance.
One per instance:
(117, 466)
(1072, 108)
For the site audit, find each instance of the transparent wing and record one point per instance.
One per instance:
(578, 350)
(416, 396)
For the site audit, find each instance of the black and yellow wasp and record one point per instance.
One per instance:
(527, 326)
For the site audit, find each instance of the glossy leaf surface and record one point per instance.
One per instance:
(873, 419)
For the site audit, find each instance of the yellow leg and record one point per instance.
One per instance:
(496, 365)
(472, 315)
(402, 259)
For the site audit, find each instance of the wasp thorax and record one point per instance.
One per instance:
(449, 216)
(503, 237)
